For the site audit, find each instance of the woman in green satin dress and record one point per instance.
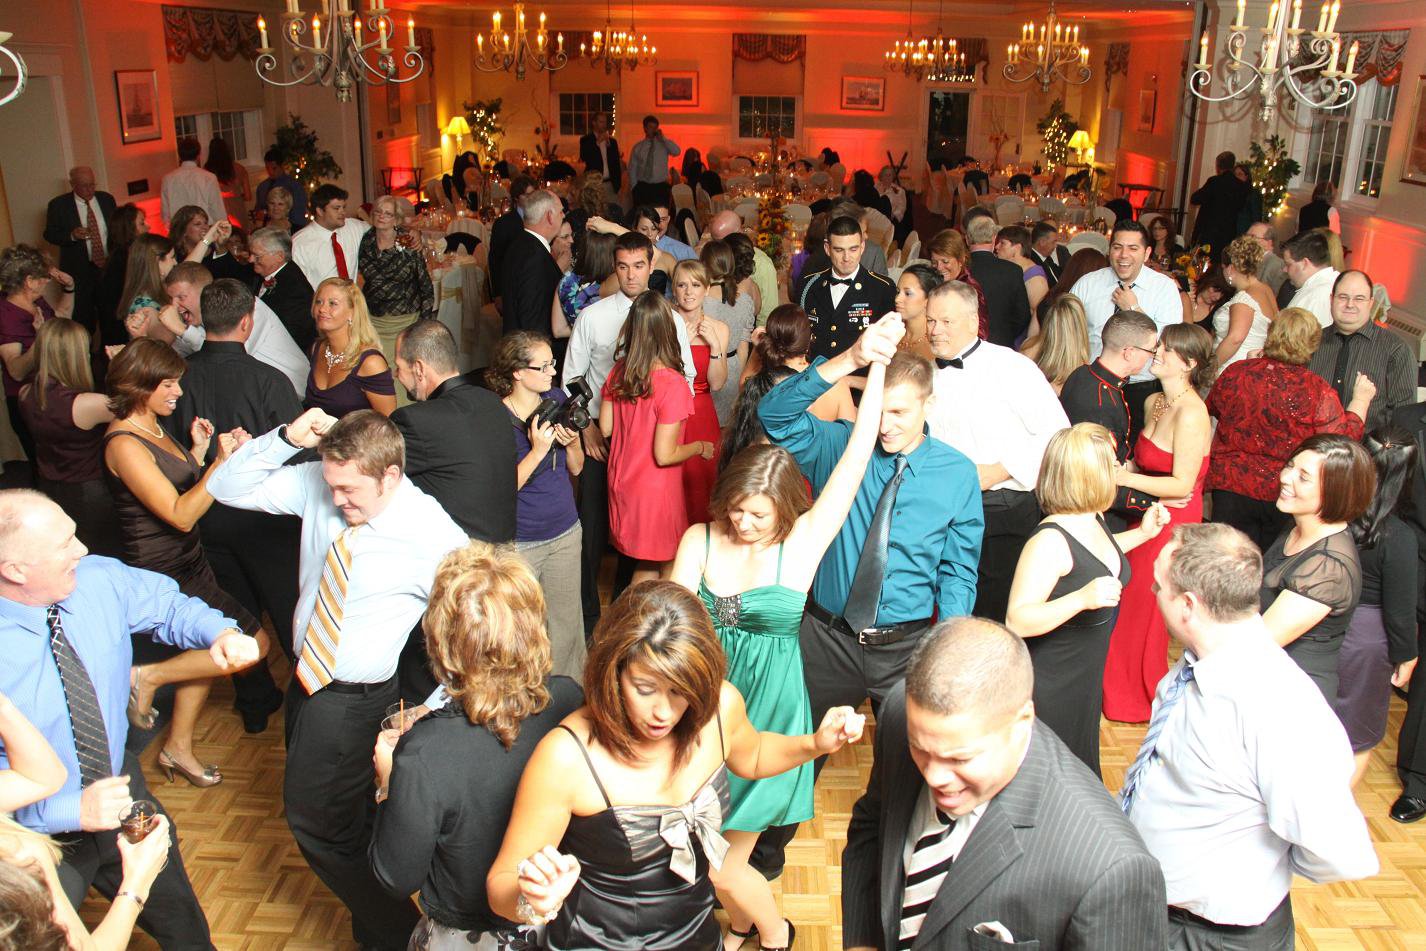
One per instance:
(752, 567)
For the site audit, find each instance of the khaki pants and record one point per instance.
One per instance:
(388, 328)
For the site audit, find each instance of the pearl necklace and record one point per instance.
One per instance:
(134, 422)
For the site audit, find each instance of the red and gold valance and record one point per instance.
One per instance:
(1380, 54)
(779, 47)
(204, 33)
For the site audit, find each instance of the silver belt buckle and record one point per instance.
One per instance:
(861, 635)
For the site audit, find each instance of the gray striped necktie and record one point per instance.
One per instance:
(91, 740)
(864, 595)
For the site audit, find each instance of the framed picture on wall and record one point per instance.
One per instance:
(1148, 105)
(676, 88)
(1413, 170)
(867, 93)
(138, 104)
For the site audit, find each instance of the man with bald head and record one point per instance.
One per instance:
(764, 273)
(979, 826)
(65, 622)
(77, 223)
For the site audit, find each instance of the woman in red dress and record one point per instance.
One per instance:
(708, 339)
(646, 404)
(1170, 461)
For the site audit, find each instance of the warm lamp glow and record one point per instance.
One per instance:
(458, 126)
(1080, 140)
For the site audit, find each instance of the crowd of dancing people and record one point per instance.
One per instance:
(995, 494)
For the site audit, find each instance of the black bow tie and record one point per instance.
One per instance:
(959, 362)
(843, 281)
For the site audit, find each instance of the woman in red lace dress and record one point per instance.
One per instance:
(1170, 461)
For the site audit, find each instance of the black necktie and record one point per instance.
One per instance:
(1339, 373)
(864, 596)
(91, 740)
(957, 362)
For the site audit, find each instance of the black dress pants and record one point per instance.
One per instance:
(1259, 520)
(172, 915)
(1010, 517)
(594, 518)
(1411, 742)
(328, 791)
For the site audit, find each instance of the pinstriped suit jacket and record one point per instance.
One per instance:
(1052, 859)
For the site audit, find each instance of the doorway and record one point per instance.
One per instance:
(947, 128)
(33, 163)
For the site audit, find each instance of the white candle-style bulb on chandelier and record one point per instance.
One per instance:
(514, 53)
(1048, 53)
(1305, 63)
(338, 53)
(619, 49)
(922, 58)
(22, 73)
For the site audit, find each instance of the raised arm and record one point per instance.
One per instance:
(754, 755)
(135, 466)
(255, 478)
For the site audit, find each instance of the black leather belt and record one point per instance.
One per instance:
(342, 686)
(1184, 915)
(878, 636)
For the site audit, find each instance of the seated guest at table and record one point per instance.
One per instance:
(1046, 250)
(1060, 345)
(811, 243)
(393, 277)
(888, 185)
(1163, 248)
(1012, 244)
(1210, 292)
(1312, 573)
(278, 211)
(160, 491)
(692, 168)
(1356, 344)
(127, 223)
(1082, 262)
(463, 182)
(1003, 283)
(655, 698)
(66, 419)
(1265, 406)
(284, 287)
(485, 634)
(917, 281)
(277, 177)
(1068, 582)
(1379, 650)
(950, 256)
(642, 414)
(1242, 326)
(591, 276)
(330, 244)
(845, 297)
(717, 381)
(529, 275)
(548, 456)
(25, 275)
(1307, 258)
(348, 370)
(727, 223)
(786, 344)
(864, 192)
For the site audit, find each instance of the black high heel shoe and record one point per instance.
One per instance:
(791, 938)
(742, 936)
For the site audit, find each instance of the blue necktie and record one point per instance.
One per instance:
(1149, 750)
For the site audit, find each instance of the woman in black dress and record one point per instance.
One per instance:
(1065, 597)
(618, 815)
(1312, 574)
(160, 493)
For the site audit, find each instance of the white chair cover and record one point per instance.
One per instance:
(1089, 239)
(682, 196)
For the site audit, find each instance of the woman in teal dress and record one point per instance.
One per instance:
(752, 567)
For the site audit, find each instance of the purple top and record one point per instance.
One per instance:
(63, 451)
(349, 395)
(1035, 270)
(17, 326)
(544, 508)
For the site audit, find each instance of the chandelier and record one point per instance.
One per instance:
(340, 57)
(1051, 54)
(22, 74)
(1305, 63)
(926, 58)
(619, 49)
(515, 53)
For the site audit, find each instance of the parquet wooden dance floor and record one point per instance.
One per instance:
(260, 895)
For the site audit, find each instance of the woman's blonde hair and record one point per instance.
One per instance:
(486, 638)
(1077, 473)
(399, 208)
(63, 357)
(1245, 255)
(693, 268)
(363, 335)
(1064, 339)
(1293, 336)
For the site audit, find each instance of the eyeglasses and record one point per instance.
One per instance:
(1359, 300)
(1148, 350)
(547, 367)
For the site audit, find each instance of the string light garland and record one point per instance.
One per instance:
(1056, 129)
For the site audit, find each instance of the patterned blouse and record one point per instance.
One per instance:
(575, 294)
(1265, 408)
(396, 280)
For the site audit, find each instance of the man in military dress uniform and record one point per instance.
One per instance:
(845, 299)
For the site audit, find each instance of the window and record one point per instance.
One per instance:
(760, 116)
(1375, 133)
(229, 127)
(578, 109)
(185, 127)
(237, 128)
(1327, 146)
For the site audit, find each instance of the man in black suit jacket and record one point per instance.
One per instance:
(1219, 201)
(529, 276)
(505, 230)
(1046, 250)
(284, 287)
(1003, 282)
(599, 152)
(460, 450)
(1011, 838)
(67, 227)
(1411, 743)
(846, 298)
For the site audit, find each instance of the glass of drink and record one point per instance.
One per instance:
(138, 819)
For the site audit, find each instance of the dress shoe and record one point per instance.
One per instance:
(1408, 808)
(255, 720)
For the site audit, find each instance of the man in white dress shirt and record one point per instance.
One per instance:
(996, 407)
(1308, 262)
(591, 356)
(328, 246)
(1128, 284)
(648, 164)
(1244, 776)
(371, 542)
(190, 185)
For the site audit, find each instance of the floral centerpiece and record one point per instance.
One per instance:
(773, 227)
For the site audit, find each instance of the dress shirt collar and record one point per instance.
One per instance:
(273, 275)
(188, 164)
(1103, 375)
(1369, 330)
(212, 346)
(832, 274)
(543, 239)
(392, 518)
(1326, 275)
(446, 386)
(913, 458)
(1219, 671)
(28, 617)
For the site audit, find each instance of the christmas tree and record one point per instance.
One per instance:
(1272, 170)
(298, 153)
(483, 117)
(1056, 128)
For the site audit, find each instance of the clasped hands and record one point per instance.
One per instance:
(877, 344)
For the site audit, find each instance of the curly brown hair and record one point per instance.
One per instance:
(512, 354)
(1244, 255)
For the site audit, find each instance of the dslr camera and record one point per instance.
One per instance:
(572, 414)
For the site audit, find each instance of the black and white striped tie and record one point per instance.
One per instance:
(930, 861)
(91, 740)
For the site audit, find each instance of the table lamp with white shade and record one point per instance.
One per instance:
(1079, 142)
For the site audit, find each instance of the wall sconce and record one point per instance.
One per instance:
(459, 128)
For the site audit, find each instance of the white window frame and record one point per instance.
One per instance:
(559, 114)
(252, 133)
(1377, 129)
(797, 118)
(1356, 121)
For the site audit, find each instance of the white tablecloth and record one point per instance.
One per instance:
(460, 291)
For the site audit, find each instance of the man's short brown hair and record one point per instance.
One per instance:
(1220, 566)
(367, 438)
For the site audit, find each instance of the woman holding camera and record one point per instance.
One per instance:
(547, 531)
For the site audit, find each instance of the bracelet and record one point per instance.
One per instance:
(66, 290)
(526, 912)
(128, 894)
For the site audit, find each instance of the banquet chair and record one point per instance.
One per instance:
(1089, 239)
(747, 210)
(879, 228)
(893, 260)
(432, 191)
(682, 196)
(839, 176)
(702, 205)
(999, 181)
(911, 248)
(1105, 215)
(799, 216)
(690, 232)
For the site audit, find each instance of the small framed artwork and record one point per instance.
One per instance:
(1148, 105)
(676, 88)
(138, 104)
(867, 93)
(1413, 170)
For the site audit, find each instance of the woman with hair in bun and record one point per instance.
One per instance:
(912, 290)
(786, 341)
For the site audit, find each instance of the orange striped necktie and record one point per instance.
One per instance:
(318, 661)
